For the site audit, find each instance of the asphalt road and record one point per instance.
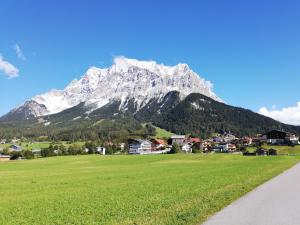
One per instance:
(277, 202)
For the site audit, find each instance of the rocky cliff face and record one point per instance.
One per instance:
(127, 80)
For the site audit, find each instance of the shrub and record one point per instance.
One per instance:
(272, 152)
(175, 149)
(28, 155)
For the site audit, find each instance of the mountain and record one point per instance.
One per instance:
(116, 101)
(127, 79)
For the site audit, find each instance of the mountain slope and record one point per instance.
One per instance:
(199, 115)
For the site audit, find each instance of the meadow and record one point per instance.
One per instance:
(40, 145)
(281, 150)
(152, 189)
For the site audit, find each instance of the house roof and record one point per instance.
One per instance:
(159, 141)
(178, 137)
(15, 146)
(141, 141)
(195, 140)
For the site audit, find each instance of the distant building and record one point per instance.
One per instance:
(275, 137)
(229, 137)
(139, 146)
(121, 146)
(101, 150)
(226, 147)
(4, 158)
(179, 139)
(186, 147)
(292, 139)
(194, 140)
(217, 139)
(246, 141)
(158, 144)
(15, 148)
(205, 145)
(223, 147)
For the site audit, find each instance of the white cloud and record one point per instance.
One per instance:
(289, 115)
(19, 52)
(8, 69)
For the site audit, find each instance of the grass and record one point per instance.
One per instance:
(39, 145)
(281, 150)
(284, 149)
(161, 133)
(156, 189)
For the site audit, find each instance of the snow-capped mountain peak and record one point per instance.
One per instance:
(126, 79)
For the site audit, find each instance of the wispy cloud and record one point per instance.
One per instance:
(8, 69)
(19, 52)
(289, 115)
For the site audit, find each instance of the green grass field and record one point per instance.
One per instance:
(284, 149)
(157, 189)
(161, 133)
(281, 150)
(40, 145)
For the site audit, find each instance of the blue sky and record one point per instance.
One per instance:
(249, 50)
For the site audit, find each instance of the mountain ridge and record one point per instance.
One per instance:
(125, 79)
(128, 94)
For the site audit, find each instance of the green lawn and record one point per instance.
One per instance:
(284, 149)
(157, 189)
(40, 145)
(161, 133)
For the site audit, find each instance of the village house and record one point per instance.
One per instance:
(226, 147)
(101, 150)
(178, 139)
(15, 148)
(292, 139)
(139, 146)
(275, 137)
(4, 158)
(194, 140)
(205, 145)
(15, 140)
(217, 139)
(246, 141)
(229, 137)
(186, 147)
(158, 144)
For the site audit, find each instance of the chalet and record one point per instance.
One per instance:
(275, 137)
(15, 148)
(179, 139)
(4, 158)
(139, 146)
(158, 144)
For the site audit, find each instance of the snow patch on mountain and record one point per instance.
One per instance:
(127, 79)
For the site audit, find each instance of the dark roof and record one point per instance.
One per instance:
(276, 134)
